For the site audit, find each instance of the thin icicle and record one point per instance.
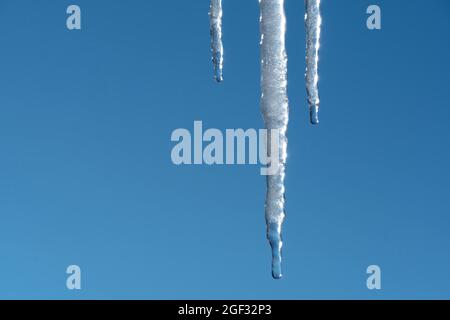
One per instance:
(215, 22)
(313, 23)
(274, 106)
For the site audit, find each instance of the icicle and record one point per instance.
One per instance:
(215, 22)
(274, 106)
(313, 23)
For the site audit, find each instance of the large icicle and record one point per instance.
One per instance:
(313, 23)
(274, 106)
(215, 23)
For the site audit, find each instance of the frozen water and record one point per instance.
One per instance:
(313, 23)
(215, 22)
(274, 106)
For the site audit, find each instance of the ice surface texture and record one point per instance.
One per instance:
(313, 22)
(275, 110)
(215, 23)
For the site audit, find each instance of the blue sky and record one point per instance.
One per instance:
(86, 176)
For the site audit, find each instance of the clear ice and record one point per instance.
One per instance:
(215, 23)
(275, 110)
(313, 22)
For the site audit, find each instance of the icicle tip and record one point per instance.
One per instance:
(314, 115)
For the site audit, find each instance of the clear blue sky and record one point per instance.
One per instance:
(86, 176)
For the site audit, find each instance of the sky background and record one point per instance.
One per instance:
(86, 176)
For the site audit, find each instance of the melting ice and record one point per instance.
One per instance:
(313, 23)
(274, 100)
(215, 23)
(274, 107)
